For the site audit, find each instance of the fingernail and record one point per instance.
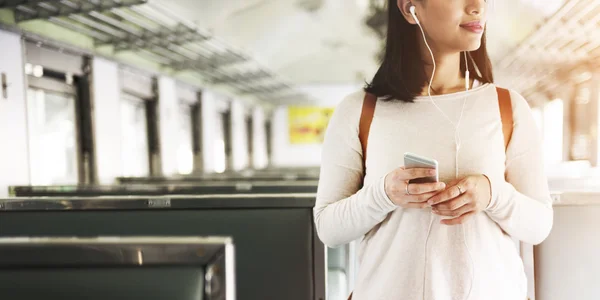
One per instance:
(429, 202)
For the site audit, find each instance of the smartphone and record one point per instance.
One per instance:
(412, 160)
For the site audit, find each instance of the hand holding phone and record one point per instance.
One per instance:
(403, 192)
(412, 161)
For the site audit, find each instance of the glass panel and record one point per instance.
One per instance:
(185, 150)
(134, 137)
(52, 137)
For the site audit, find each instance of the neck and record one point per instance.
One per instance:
(448, 78)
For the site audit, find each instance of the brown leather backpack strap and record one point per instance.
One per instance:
(364, 126)
(506, 114)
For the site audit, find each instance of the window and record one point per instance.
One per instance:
(134, 137)
(219, 145)
(185, 150)
(553, 131)
(52, 132)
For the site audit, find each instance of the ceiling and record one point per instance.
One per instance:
(326, 41)
(266, 49)
(560, 58)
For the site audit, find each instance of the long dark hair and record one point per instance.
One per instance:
(401, 75)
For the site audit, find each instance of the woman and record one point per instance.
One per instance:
(446, 240)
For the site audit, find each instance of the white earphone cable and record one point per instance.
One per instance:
(457, 144)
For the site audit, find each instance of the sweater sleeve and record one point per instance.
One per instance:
(521, 202)
(344, 211)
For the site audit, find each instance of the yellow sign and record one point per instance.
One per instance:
(307, 124)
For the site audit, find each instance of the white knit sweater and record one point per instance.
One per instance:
(477, 259)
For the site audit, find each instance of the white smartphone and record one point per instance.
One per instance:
(412, 160)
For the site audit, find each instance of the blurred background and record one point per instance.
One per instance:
(103, 93)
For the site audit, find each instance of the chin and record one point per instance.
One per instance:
(472, 46)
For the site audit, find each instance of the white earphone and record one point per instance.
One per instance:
(456, 125)
(413, 12)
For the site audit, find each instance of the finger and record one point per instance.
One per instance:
(419, 205)
(414, 173)
(454, 182)
(420, 198)
(456, 212)
(425, 188)
(449, 194)
(454, 203)
(460, 220)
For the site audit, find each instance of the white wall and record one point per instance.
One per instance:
(567, 264)
(260, 155)
(107, 121)
(239, 136)
(287, 155)
(168, 107)
(14, 159)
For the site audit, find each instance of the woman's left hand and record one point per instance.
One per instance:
(462, 199)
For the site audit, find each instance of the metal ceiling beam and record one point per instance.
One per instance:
(125, 25)
(507, 61)
(284, 98)
(133, 37)
(250, 90)
(31, 10)
(150, 40)
(259, 90)
(247, 76)
(203, 66)
(210, 63)
(569, 38)
(79, 28)
(15, 3)
(158, 42)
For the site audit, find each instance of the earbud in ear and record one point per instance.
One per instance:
(413, 10)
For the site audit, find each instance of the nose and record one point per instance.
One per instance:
(475, 7)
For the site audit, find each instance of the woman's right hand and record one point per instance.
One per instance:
(396, 183)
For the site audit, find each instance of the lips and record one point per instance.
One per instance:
(473, 26)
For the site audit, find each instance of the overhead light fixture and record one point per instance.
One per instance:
(28, 69)
(38, 71)
(69, 78)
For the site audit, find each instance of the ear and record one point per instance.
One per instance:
(404, 7)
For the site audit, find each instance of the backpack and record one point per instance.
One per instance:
(368, 110)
